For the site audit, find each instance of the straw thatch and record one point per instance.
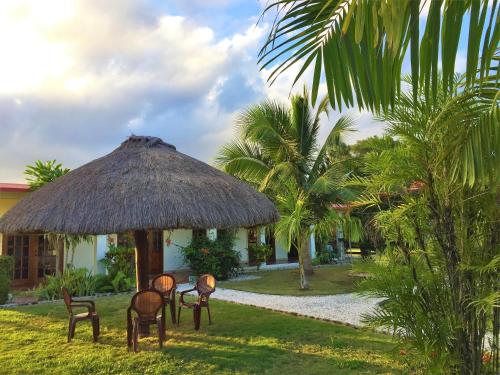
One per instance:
(143, 184)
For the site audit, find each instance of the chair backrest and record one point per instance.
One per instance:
(147, 303)
(205, 285)
(164, 283)
(67, 299)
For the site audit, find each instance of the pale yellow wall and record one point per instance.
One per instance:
(7, 200)
(241, 244)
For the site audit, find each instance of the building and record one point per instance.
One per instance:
(35, 259)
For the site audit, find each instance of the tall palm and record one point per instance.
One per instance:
(360, 45)
(277, 150)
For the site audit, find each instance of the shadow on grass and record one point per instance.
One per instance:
(242, 338)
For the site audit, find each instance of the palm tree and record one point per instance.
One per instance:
(360, 46)
(277, 151)
(443, 238)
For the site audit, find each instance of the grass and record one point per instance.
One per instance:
(326, 280)
(242, 340)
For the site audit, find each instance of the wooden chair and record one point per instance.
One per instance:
(146, 304)
(205, 286)
(91, 314)
(166, 285)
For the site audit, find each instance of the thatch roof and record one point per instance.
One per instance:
(143, 184)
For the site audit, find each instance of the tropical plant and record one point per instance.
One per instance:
(277, 150)
(216, 257)
(79, 281)
(261, 252)
(439, 274)
(42, 173)
(360, 46)
(119, 259)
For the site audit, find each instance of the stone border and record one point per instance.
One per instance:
(41, 302)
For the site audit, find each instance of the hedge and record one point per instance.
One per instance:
(6, 267)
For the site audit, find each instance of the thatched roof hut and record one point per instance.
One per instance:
(143, 184)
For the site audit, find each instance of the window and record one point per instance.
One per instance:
(46, 257)
(18, 247)
(157, 240)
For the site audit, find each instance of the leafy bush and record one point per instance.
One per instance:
(79, 281)
(324, 257)
(119, 259)
(215, 257)
(261, 252)
(6, 266)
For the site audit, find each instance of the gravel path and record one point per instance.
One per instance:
(343, 308)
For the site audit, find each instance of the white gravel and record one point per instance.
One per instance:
(343, 308)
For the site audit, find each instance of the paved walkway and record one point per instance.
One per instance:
(343, 308)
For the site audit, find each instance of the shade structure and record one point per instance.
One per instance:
(143, 184)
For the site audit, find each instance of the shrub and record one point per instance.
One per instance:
(79, 281)
(215, 257)
(325, 257)
(119, 259)
(261, 252)
(6, 266)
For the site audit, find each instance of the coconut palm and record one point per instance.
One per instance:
(360, 45)
(278, 151)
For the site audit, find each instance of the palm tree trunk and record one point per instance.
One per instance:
(304, 284)
(305, 254)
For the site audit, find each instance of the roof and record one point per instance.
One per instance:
(143, 184)
(11, 187)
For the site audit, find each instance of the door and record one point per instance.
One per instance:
(155, 251)
(20, 247)
(252, 240)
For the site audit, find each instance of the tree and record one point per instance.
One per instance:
(42, 173)
(440, 272)
(360, 45)
(277, 151)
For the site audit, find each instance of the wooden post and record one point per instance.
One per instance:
(142, 268)
(141, 260)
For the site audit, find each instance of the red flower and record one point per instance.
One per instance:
(168, 241)
(486, 357)
(433, 354)
(111, 240)
(403, 352)
(204, 250)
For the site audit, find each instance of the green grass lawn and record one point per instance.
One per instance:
(242, 340)
(326, 280)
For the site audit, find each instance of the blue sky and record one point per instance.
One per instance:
(78, 76)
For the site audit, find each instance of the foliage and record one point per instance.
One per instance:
(261, 252)
(79, 281)
(42, 173)
(6, 267)
(324, 257)
(360, 46)
(119, 259)
(216, 257)
(247, 340)
(439, 274)
(278, 151)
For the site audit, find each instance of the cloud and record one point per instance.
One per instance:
(75, 83)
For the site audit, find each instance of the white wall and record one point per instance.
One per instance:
(172, 255)
(281, 251)
(84, 255)
(241, 244)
